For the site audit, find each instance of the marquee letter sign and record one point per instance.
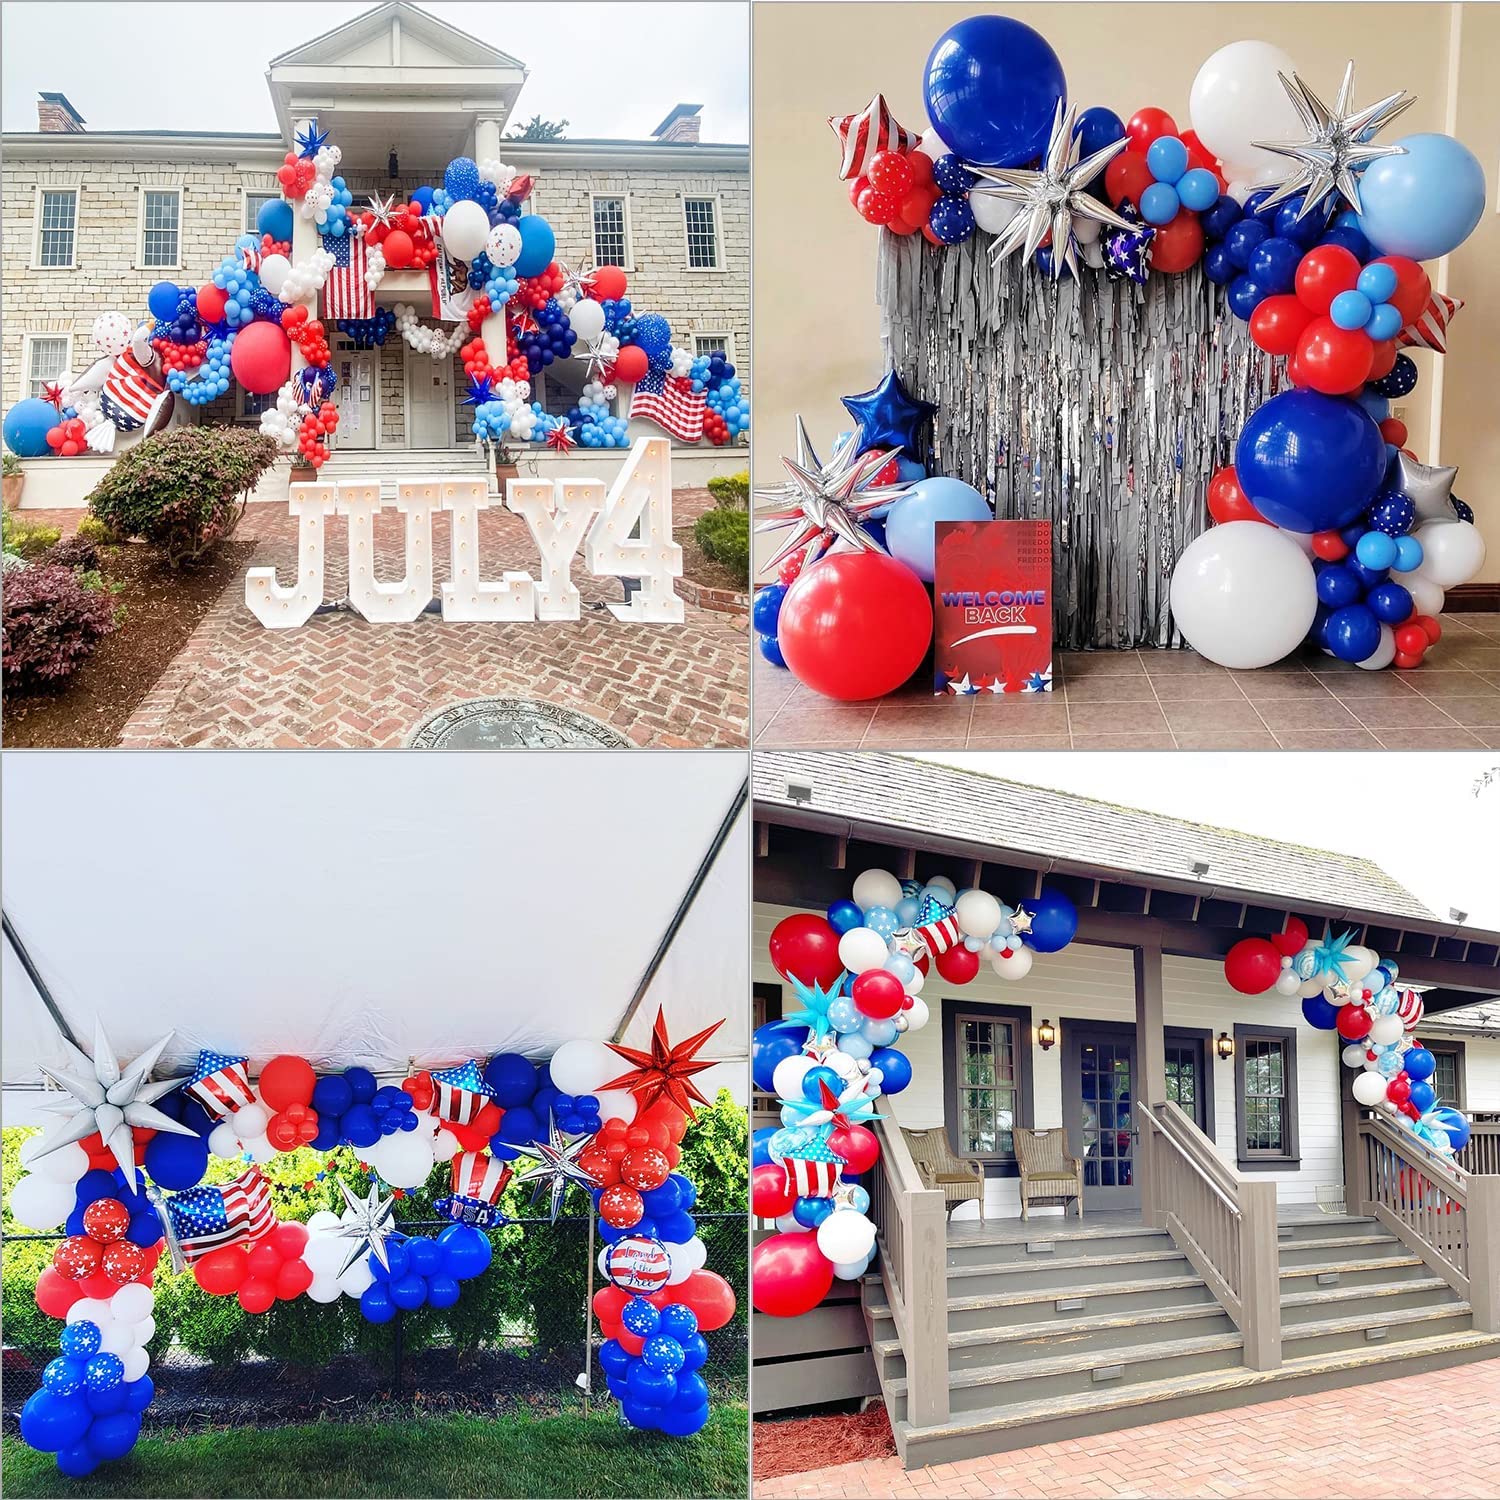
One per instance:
(625, 532)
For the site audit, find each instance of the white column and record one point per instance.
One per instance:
(304, 242)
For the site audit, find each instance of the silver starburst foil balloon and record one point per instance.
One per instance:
(1099, 406)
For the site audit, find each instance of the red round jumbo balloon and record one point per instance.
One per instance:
(805, 947)
(261, 358)
(789, 1275)
(287, 1080)
(609, 284)
(631, 363)
(771, 1195)
(1252, 966)
(398, 249)
(958, 965)
(855, 626)
(707, 1293)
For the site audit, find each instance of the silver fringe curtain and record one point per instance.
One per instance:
(1100, 406)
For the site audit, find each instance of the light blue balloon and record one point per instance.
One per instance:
(1198, 189)
(907, 910)
(1377, 281)
(1388, 1064)
(854, 1045)
(909, 524)
(1168, 158)
(842, 1015)
(1409, 554)
(883, 920)
(1425, 202)
(878, 1032)
(1376, 550)
(1159, 203)
(859, 1199)
(1350, 310)
(908, 470)
(1384, 322)
(901, 966)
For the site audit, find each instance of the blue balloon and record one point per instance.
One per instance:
(139, 1394)
(1350, 310)
(332, 1095)
(112, 1399)
(1054, 921)
(951, 219)
(1310, 462)
(695, 1350)
(1389, 603)
(77, 1462)
(1376, 550)
(894, 1066)
(613, 1359)
(770, 648)
(538, 244)
(1222, 217)
(909, 522)
(114, 1436)
(1424, 202)
(760, 1140)
(992, 87)
(1423, 1096)
(423, 197)
(63, 1376)
(466, 1250)
(1097, 128)
(362, 1083)
(26, 426)
(1409, 554)
(1245, 295)
(1218, 265)
(674, 1421)
(1368, 577)
(461, 180)
(442, 1290)
(1353, 633)
(359, 1126)
(674, 1229)
(771, 1044)
(1420, 1064)
(161, 300)
(1160, 203)
(663, 1353)
(409, 1291)
(1378, 406)
(1197, 189)
(678, 1321)
(1456, 1123)
(844, 916)
(1306, 230)
(375, 1303)
(520, 1126)
(50, 1422)
(1242, 240)
(1262, 212)
(1338, 585)
(810, 1212)
(650, 1387)
(950, 174)
(1384, 322)
(767, 607)
(274, 217)
(176, 1161)
(423, 1256)
(1320, 1013)
(80, 1340)
(512, 1077)
(1378, 282)
(1167, 157)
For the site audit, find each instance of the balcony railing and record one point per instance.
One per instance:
(1481, 1157)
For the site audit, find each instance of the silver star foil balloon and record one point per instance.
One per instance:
(821, 504)
(1049, 199)
(558, 1166)
(383, 207)
(579, 279)
(1338, 144)
(1429, 487)
(374, 1222)
(105, 1098)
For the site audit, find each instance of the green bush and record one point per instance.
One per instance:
(725, 536)
(731, 491)
(27, 539)
(26, 1325)
(183, 490)
(92, 529)
(10, 464)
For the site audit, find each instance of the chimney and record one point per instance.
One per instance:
(54, 115)
(682, 125)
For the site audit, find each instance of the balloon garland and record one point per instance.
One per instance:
(858, 974)
(241, 326)
(1352, 990)
(1330, 529)
(123, 1174)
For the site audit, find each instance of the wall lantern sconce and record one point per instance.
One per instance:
(1046, 1036)
(1224, 1046)
(392, 166)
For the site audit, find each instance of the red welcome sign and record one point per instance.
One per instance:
(993, 599)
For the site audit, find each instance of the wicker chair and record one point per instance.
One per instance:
(1049, 1176)
(959, 1180)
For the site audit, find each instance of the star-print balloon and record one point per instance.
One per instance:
(1127, 254)
(665, 1071)
(888, 416)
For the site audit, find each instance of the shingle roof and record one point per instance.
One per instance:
(1482, 1019)
(922, 797)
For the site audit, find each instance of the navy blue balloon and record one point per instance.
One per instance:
(95, 1184)
(1399, 380)
(951, 220)
(176, 1162)
(1222, 217)
(992, 87)
(1218, 265)
(362, 1082)
(1338, 586)
(767, 607)
(1245, 295)
(1310, 462)
(359, 1126)
(760, 1143)
(1256, 208)
(1242, 240)
(663, 1200)
(771, 1044)
(1305, 231)
(332, 1095)
(330, 1133)
(1274, 262)
(1368, 577)
(1097, 128)
(1320, 1013)
(1352, 241)
(513, 1078)
(1353, 633)
(145, 1227)
(1054, 921)
(950, 174)
(845, 916)
(895, 1068)
(520, 1126)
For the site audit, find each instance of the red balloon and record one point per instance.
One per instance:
(855, 626)
(770, 1193)
(921, 167)
(805, 947)
(1413, 287)
(261, 358)
(856, 187)
(1277, 324)
(287, 1080)
(56, 1293)
(1227, 501)
(1198, 154)
(1127, 176)
(1398, 1090)
(875, 207)
(877, 994)
(1382, 358)
(1406, 661)
(890, 172)
(958, 965)
(858, 1145)
(609, 284)
(1430, 627)
(1411, 639)
(123, 1261)
(78, 1257)
(264, 1259)
(100, 1285)
(1333, 360)
(257, 1295)
(707, 1293)
(290, 1239)
(1291, 939)
(106, 1220)
(398, 249)
(1329, 545)
(294, 317)
(645, 1168)
(1178, 245)
(1353, 1022)
(1147, 124)
(221, 1272)
(621, 1206)
(789, 1275)
(211, 300)
(1393, 430)
(293, 1278)
(1252, 966)
(1324, 272)
(631, 363)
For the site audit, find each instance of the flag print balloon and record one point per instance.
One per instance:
(637, 1263)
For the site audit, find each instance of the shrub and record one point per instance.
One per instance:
(94, 530)
(52, 622)
(10, 464)
(725, 536)
(75, 552)
(27, 539)
(731, 491)
(26, 1325)
(183, 490)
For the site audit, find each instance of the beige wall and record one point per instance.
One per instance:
(816, 324)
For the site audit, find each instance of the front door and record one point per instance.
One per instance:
(355, 398)
(1099, 1110)
(429, 401)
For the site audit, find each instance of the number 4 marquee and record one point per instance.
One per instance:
(625, 532)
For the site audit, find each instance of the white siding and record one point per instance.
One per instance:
(1084, 983)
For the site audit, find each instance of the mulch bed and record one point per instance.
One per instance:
(162, 608)
(701, 568)
(803, 1443)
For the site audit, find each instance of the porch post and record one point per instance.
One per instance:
(486, 139)
(1483, 1213)
(304, 242)
(1151, 1086)
(1355, 1201)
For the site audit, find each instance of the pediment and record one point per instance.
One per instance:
(395, 35)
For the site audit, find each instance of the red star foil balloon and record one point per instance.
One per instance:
(830, 1102)
(861, 135)
(665, 1071)
(561, 438)
(52, 392)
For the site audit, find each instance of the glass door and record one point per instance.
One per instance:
(1099, 1110)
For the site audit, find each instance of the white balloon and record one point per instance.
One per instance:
(977, 913)
(132, 1303)
(1359, 961)
(354, 1281)
(615, 1104)
(1355, 1055)
(115, 1338)
(250, 1121)
(89, 1310)
(1425, 594)
(136, 1362)
(466, 228)
(261, 1150)
(934, 146)
(1243, 594)
(323, 1221)
(787, 1079)
(324, 1254)
(1385, 1031)
(1086, 230)
(579, 1067)
(63, 1164)
(685, 1258)
(223, 1142)
(274, 270)
(444, 1146)
(503, 245)
(1452, 552)
(861, 948)
(1237, 99)
(1287, 982)
(38, 1202)
(112, 333)
(587, 317)
(876, 888)
(143, 1332)
(845, 1235)
(1384, 654)
(942, 883)
(918, 1016)
(1369, 1089)
(851, 1270)
(913, 986)
(324, 1289)
(1017, 966)
(404, 1159)
(993, 215)
(789, 1225)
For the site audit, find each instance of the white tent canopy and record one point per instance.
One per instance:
(387, 910)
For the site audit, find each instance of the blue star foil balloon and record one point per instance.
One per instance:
(1127, 252)
(311, 140)
(888, 415)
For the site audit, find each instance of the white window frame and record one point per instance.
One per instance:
(28, 340)
(43, 188)
(628, 264)
(140, 226)
(687, 251)
(715, 333)
(246, 194)
(241, 402)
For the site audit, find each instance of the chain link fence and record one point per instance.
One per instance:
(516, 1338)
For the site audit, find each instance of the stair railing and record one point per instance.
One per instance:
(1481, 1157)
(1224, 1223)
(1449, 1217)
(911, 1224)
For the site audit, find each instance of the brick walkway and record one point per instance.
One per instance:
(341, 681)
(1423, 1436)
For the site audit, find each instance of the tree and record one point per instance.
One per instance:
(538, 129)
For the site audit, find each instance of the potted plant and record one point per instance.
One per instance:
(505, 464)
(14, 479)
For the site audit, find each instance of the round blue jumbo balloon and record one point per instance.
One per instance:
(1054, 921)
(176, 1161)
(992, 87)
(274, 218)
(1424, 202)
(537, 245)
(771, 1044)
(1310, 462)
(26, 426)
(910, 522)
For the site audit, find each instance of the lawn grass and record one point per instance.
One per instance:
(418, 1456)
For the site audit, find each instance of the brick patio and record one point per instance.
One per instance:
(341, 681)
(1422, 1436)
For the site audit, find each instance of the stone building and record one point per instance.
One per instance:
(94, 219)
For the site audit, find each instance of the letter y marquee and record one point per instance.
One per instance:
(630, 537)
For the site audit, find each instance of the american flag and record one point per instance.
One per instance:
(1430, 328)
(861, 135)
(220, 1083)
(211, 1218)
(461, 1093)
(938, 937)
(477, 1175)
(814, 1171)
(130, 392)
(346, 294)
(670, 402)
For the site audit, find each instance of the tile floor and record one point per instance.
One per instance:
(1172, 700)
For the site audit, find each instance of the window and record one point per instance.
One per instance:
(57, 216)
(46, 359)
(702, 219)
(712, 343)
(987, 1079)
(611, 241)
(252, 405)
(1266, 1095)
(1189, 1083)
(1182, 1080)
(161, 212)
(1448, 1077)
(254, 202)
